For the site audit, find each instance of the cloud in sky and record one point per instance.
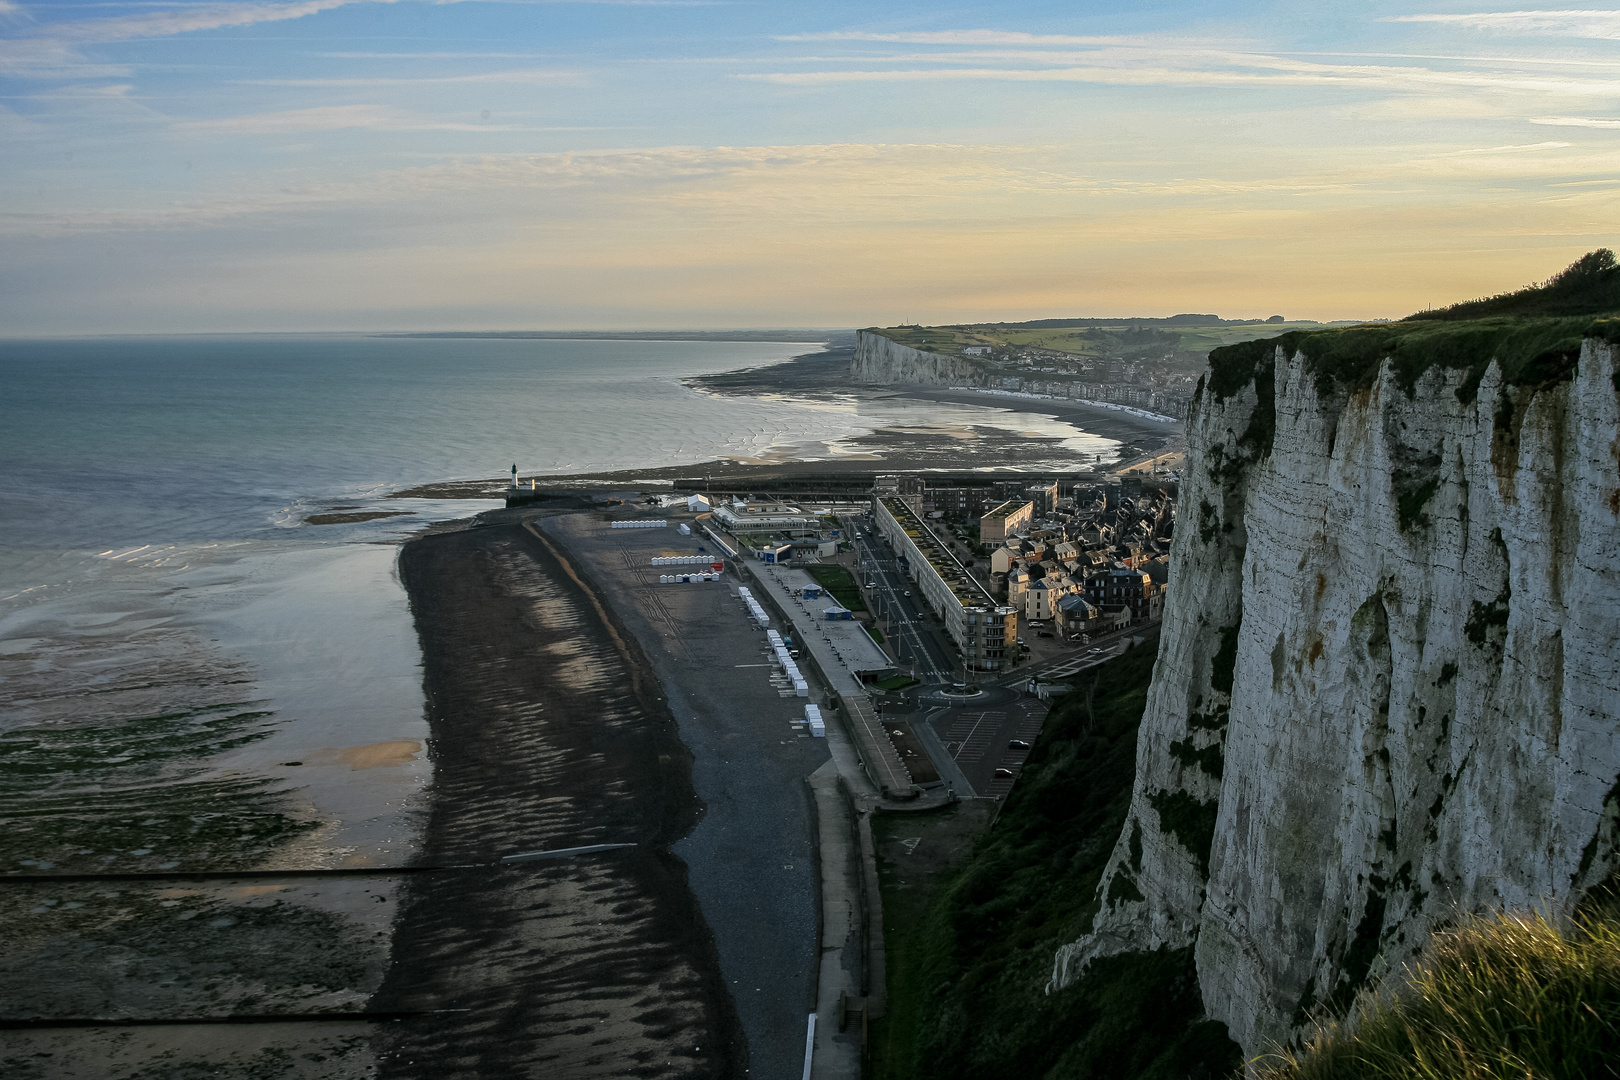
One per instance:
(1578, 121)
(520, 75)
(953, 37)
(188, 19)
(552, 164)
(1577, 22)
(1219, 69)
(326, 118)
(834, 235)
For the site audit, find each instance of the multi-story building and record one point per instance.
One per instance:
(1076, 615)
(1041, 600)
(960, 501)
(1044, 496)
(1000, 522)
(984, 631)
(1123, 587)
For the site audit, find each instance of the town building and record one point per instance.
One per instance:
(1076, 615)
(1133, 589)
(741, 518)
(1000, 522)
(985, 632)
(1043, 495)
(1041, 600)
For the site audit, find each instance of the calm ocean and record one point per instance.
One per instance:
(154, 560)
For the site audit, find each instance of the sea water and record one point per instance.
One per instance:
(155, 556)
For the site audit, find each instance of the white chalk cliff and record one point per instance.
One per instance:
(1388, 683)
(879, 359)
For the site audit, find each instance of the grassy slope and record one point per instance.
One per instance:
(968, 965)
(1508, 996)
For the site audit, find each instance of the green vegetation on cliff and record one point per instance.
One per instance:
(968, 964)
(1534, 334)
(1509, 996)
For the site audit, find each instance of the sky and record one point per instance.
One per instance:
(292, 165)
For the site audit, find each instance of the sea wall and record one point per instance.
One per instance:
(1386, 689)
(878, 359)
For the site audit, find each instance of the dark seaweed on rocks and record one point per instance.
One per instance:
(132, 795)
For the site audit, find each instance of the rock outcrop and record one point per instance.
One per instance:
(881, 360)
(1388, 683)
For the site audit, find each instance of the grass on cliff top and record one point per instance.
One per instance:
(1505, 997)
(1534, 334)
(968, 963)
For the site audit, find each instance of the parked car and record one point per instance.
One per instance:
(1003, 774)
(1018, 744)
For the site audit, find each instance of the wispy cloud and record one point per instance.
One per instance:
(1517, 148)
(187, 19)
(327, 118)
(1578, 121)
(50, 50)
(953, 37)
(1222, 70)
(521, 75)
(428, 55)
(42, 58)
(1574, 22)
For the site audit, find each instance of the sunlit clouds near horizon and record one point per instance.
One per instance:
(406, 164)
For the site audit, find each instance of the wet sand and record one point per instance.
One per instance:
(547, 733)
(956, 449)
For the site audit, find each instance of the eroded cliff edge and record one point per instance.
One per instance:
(1387, 687)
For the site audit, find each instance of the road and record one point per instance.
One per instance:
(915, 645)
(1069, 665)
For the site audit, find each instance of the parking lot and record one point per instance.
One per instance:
(979, 740)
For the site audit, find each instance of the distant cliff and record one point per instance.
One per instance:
(1387, 688)
(881, 360)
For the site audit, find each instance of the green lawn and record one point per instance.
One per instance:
(838, 581)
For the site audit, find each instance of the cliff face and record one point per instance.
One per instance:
(1387, 686)
(880, 360)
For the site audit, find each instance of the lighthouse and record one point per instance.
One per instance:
(514, 477)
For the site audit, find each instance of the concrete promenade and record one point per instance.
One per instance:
(853, 972)
(837, 655)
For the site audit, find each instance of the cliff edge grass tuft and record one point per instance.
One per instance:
(1534, 334)
(1512, 995)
